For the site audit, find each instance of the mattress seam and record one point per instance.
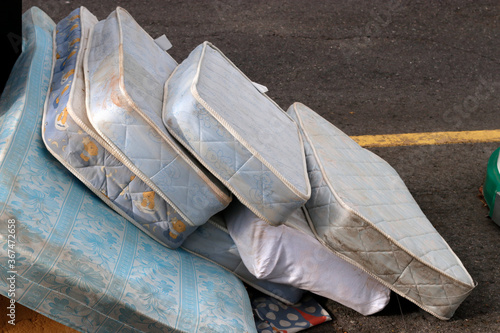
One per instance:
(379, 279)
(223, 181)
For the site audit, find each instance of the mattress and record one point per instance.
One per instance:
(290, 254)
(361, 210)
(238, 133)
(125, 73)
(76, 260)
(492, 186)
(213, 242)
(71, 138)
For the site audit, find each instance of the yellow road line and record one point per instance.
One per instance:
(431, 138)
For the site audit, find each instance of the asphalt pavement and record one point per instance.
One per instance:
(371, 67)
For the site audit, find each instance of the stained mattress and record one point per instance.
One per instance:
(76, 260)
(71, 138)
(362, 211)
(125, 73)
(492, 186)
(238, 133)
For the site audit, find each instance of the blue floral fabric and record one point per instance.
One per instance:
(76, 260)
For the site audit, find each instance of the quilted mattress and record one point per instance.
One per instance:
(361, 210)
(238, 133)
(492, 186)
(213, 242)
(71, 138)
(76, 260)
(125, 73)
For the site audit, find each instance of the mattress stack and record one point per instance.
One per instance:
(102, 121)
(198, 157)
(71, 257)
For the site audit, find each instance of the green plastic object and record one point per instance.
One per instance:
(492, 186)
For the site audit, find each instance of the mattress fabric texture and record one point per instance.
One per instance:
(77, 261)
(71, 138)
(238, 133)
(213, 242)
(290, 254)
(125, 73)
(361, 210)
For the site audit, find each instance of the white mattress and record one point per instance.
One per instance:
(362, 211)
(238, 133)
(126, 71)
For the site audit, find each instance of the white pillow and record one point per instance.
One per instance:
(289, 254)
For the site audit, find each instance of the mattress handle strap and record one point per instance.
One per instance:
(260, 87)
(163, 43)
